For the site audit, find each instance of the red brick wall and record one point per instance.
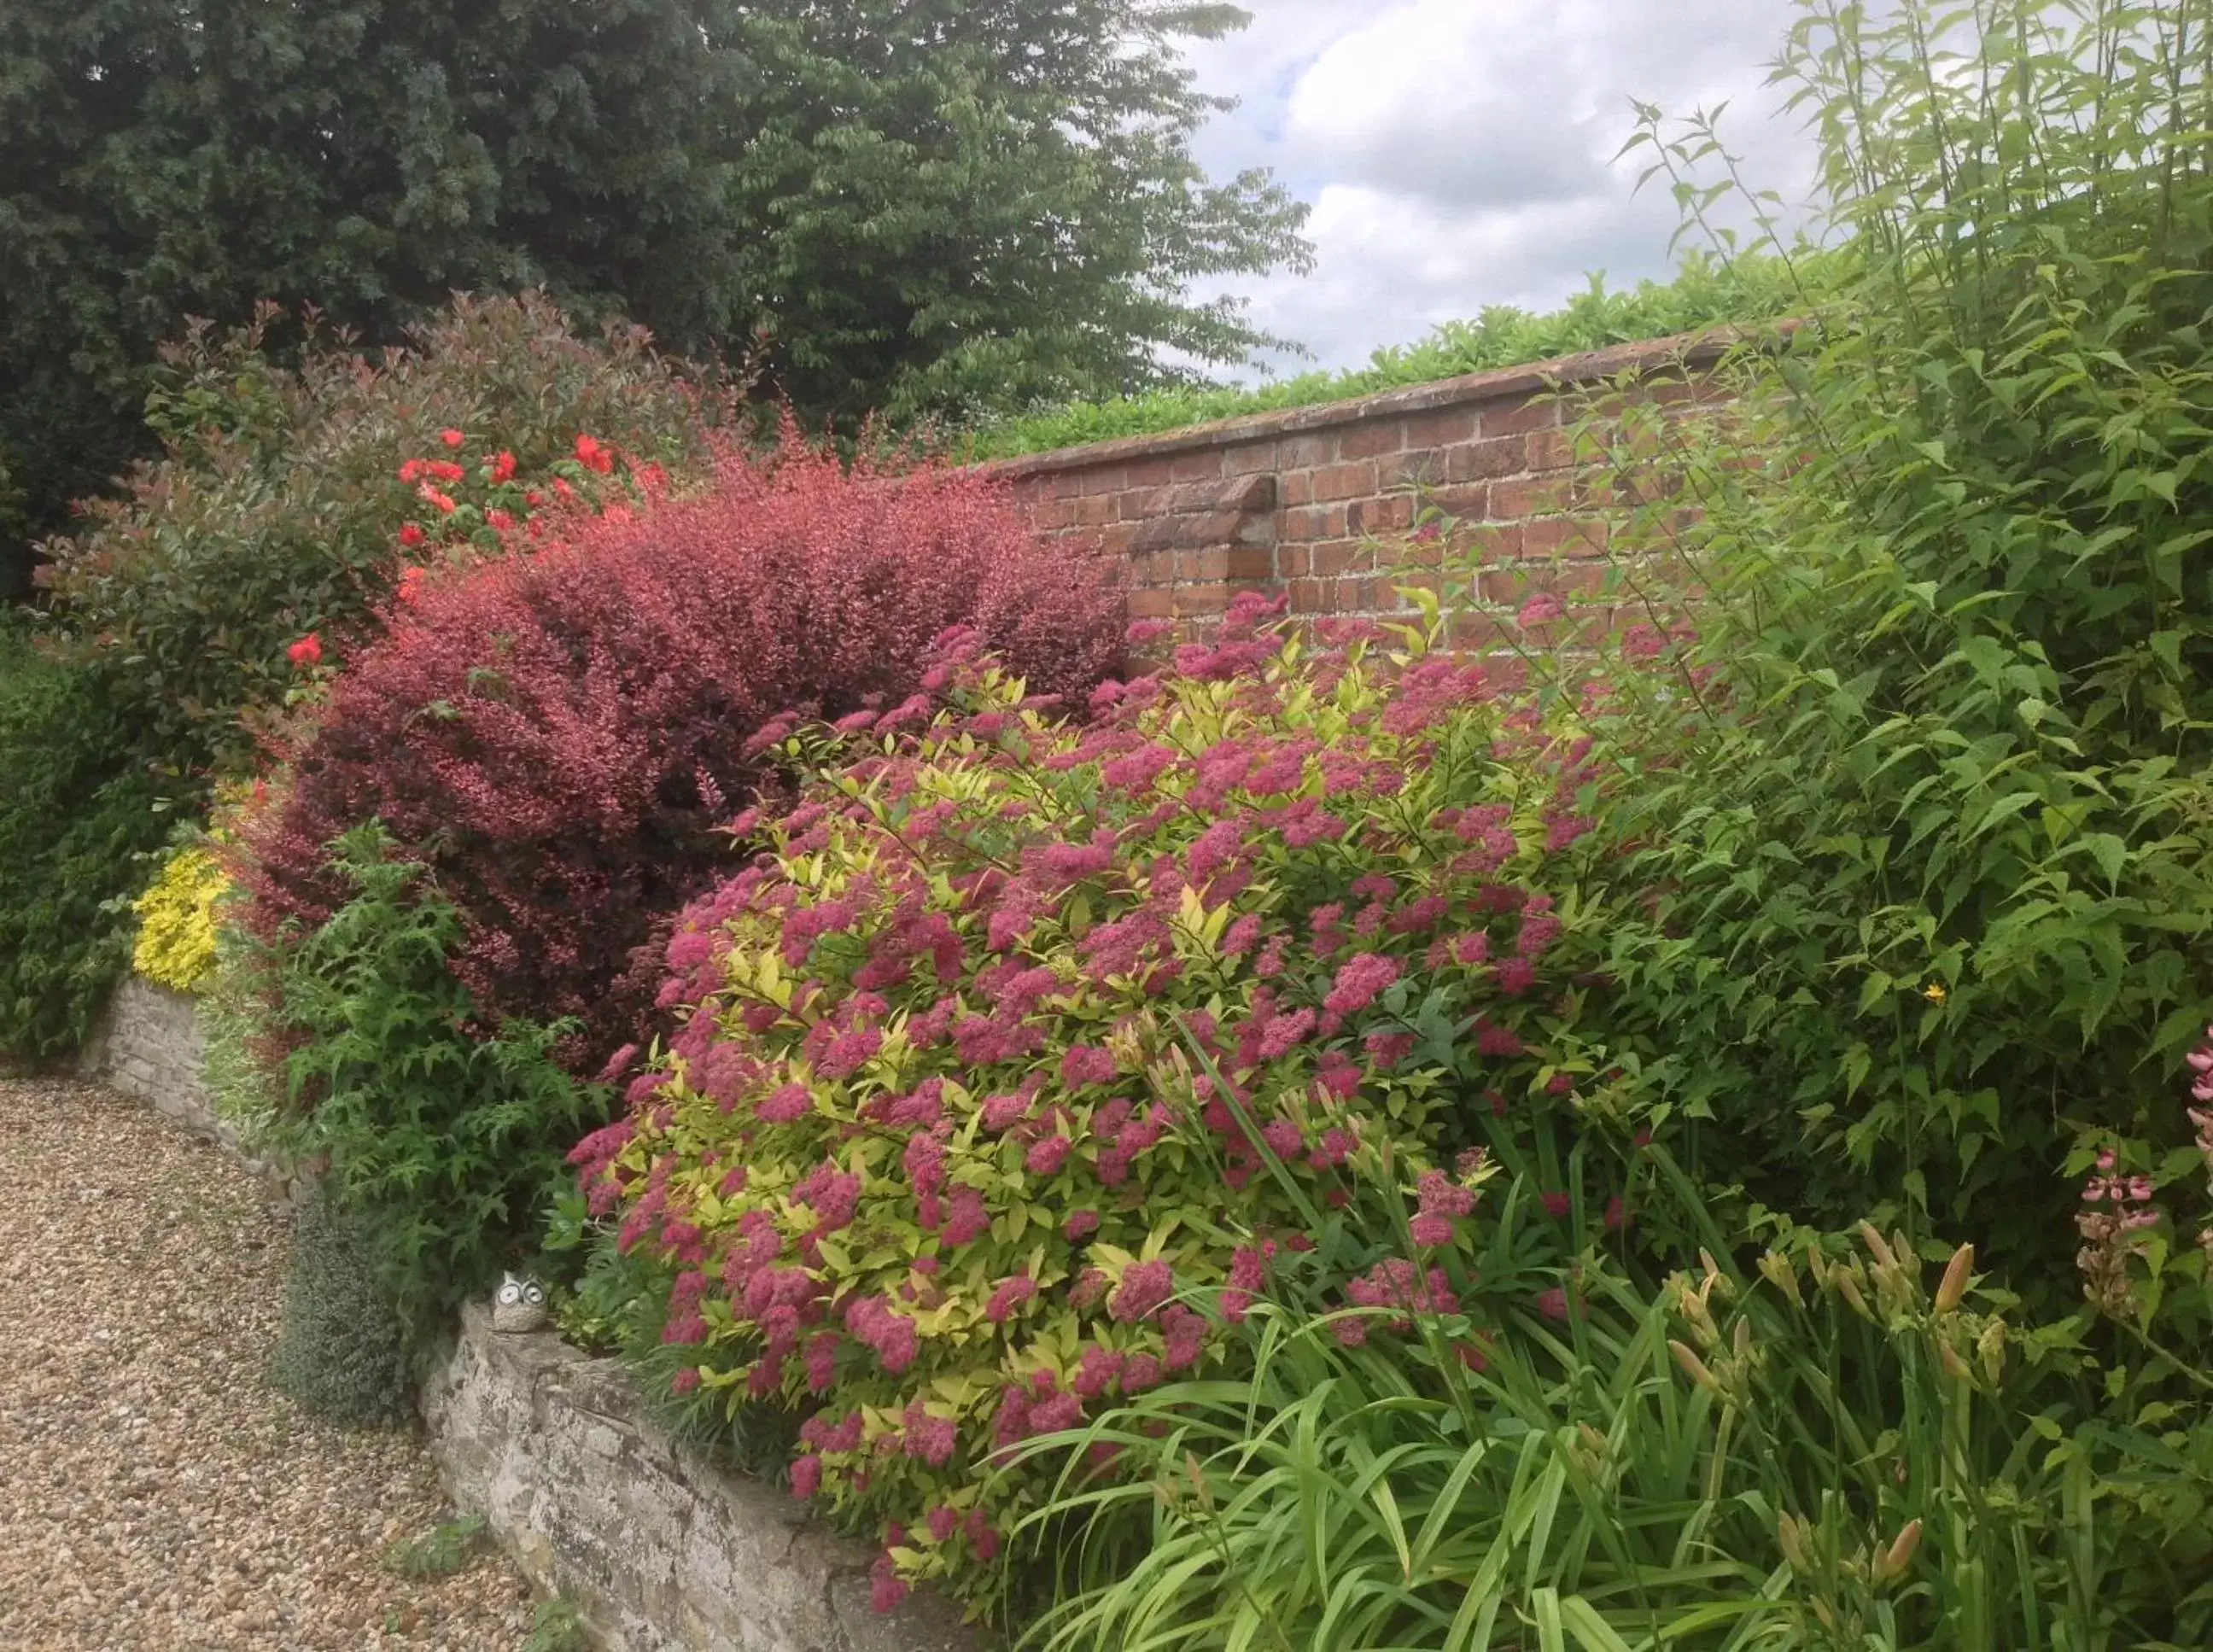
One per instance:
(1318, 501)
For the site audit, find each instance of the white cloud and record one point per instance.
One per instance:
(1389, 267)
(1460, 153)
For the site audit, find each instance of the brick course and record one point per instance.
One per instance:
(1299, 502)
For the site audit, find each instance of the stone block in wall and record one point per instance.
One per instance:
(1242, 495)
(1217, 528)
(655, 1546)
(149, 1044)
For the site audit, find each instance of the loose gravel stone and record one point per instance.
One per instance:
(154, 1492)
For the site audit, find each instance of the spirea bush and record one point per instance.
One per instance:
(559, 733)
(1026, 1047)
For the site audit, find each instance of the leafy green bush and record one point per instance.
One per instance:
(276, 507)
(1826, 1454)
(443, 1137)
(1705, 292)
(79, 827)
(1928, 805)
(1020, 1031)
(341, 1351)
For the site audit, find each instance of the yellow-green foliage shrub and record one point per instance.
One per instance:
(176, 942)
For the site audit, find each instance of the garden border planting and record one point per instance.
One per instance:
(593, 1501)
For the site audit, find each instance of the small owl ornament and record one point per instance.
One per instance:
(519, 1306)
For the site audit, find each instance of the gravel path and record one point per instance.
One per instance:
(153, 1491)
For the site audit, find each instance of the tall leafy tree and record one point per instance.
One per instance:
(923, 204)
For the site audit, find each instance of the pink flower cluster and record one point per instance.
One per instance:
(1395, 1282)
(2201, 1117)
(1443, 1203)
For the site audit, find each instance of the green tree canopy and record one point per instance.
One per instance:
(923, 204)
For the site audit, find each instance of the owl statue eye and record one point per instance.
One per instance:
(520, 1305)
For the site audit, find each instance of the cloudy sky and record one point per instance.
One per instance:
(1458, 153)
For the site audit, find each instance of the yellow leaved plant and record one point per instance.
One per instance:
(176, 945)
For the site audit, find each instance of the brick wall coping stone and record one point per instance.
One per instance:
(1687, 350)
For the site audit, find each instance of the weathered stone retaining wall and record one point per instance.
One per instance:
(659, 1550)
(149, 1044)
(655, 1546)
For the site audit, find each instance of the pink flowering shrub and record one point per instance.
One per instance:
(2140, 1259)
(1027, 1052)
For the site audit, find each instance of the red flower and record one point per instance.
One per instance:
(452, 438)
(411, 584)
(410, 470)
(307, 651)
(411, 535)
(502, 469)
(594, 456)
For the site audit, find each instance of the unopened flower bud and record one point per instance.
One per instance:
(1775, 1267)
(1954, 1367)
(1899, 1555)
(1878, 1247)
(1693, 1366)
(1954, 1284)
(1848, 1287)
(1791, 1536)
